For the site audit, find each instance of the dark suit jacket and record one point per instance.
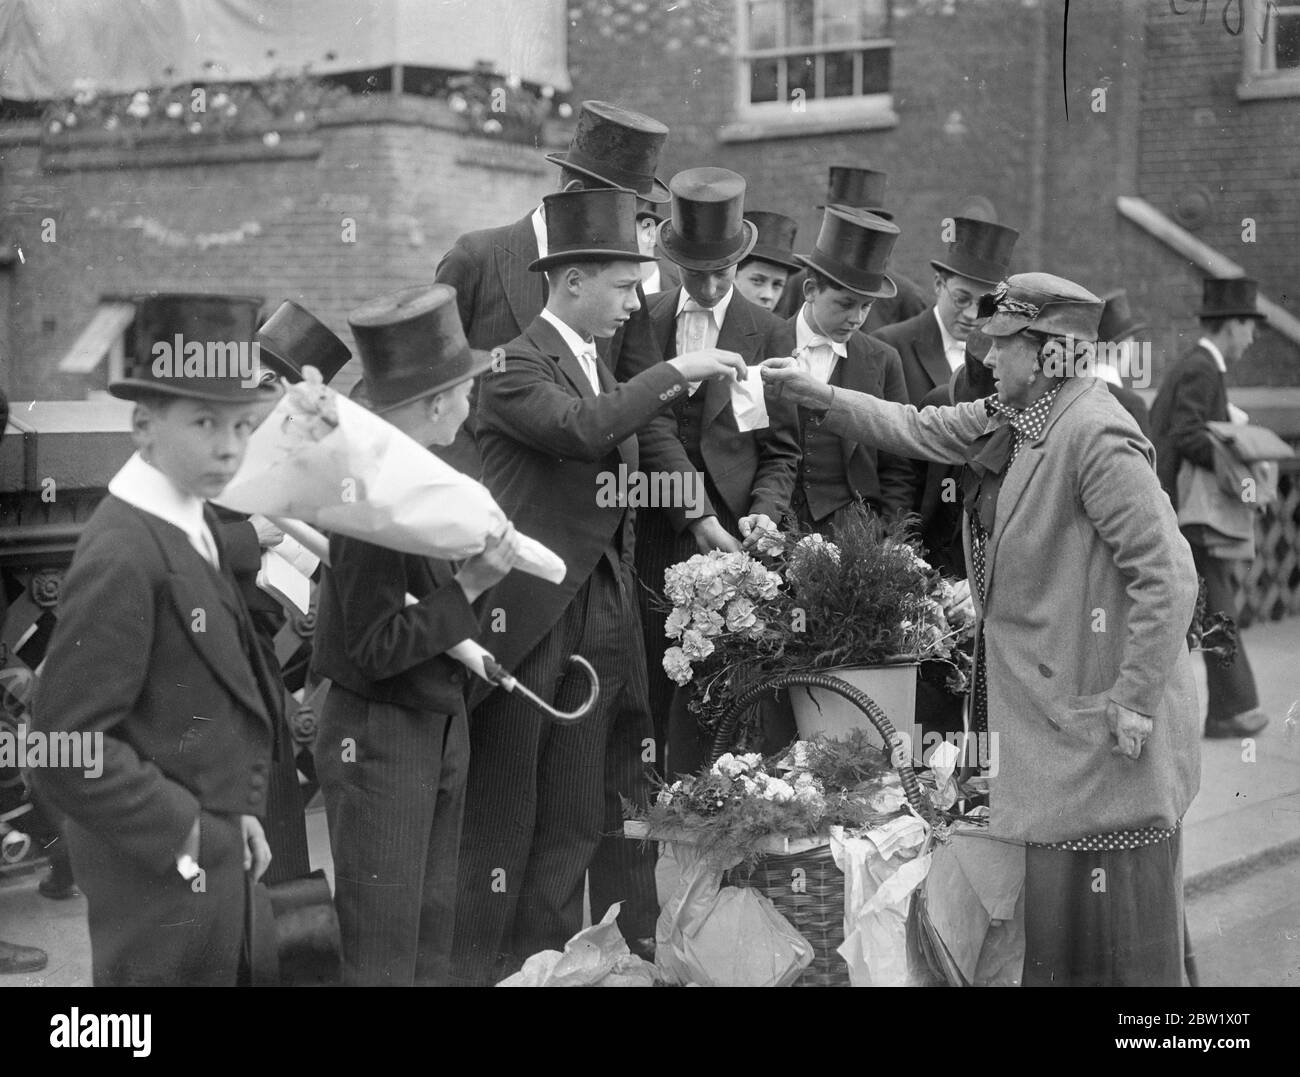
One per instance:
(368, 640)
(148, 651)
(920, 346)
(753, 471)
(880, 477)
(498, 298)
(909, 301)
(1192, 394)
(546, 439)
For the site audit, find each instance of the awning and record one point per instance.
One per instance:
(98, 338)
(49, 48)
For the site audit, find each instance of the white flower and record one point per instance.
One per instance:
(779, 790)
(547, 92)
(70, 120)
(565, 110)
(175, 110)
(232, 110)
(514, 82)
(220, 100)
(140, 97)
(492, 127)
(271, 138)
(138, 109)
(677, 666)
(110, 124)
(55, 127)
(457, 103)
(696, 645)
(196, 127)
(300, 116)
(740, 614)
(677, 622)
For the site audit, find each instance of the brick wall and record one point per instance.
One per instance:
(269, 226)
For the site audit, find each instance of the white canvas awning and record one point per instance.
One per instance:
(50, 47)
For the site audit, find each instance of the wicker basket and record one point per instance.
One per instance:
(815, 908)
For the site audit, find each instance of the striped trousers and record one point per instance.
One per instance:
(542, 801)
(393, 780)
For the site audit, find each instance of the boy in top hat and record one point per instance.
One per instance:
(743, 478)
(932, 344)
(1194, 392)
(182, 697)
(392, 751)
(555, 428)
(845, 275)
(864, 189)
(1120, 326)
(660, 274)
(761, 276)
(612, 147)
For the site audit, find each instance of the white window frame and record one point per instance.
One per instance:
(1259, 79)
(815, 115)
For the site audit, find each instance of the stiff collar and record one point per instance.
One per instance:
(148, 489)
(805, 336)
(718, 311)
(949, 341)
(539, 229)
(1215, 354)
(575, 342)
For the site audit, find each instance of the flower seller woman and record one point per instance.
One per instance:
(1084, 591)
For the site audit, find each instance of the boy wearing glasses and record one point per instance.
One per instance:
(932, 345)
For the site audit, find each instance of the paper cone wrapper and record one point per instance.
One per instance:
(366, 479)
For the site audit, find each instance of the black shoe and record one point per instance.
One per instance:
(643, 948)
(1246, 724)
(14, 958)
(57, 889)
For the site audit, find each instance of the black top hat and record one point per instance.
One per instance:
(616, 146)
(1229, 297)
(291, 339)
(858, 188)
(412, 344)
(1117, 320)
(648, 209)
(852, 250)
(199, 346)
(776, 234)
(980, 250)
(707, 229)
(590, 226)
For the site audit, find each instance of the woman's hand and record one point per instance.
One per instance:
(786, 378)
(1129, 728)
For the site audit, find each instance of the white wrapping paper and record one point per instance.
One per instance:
(748, 404)
(366, 479)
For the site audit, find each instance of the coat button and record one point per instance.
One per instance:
(1044, 670)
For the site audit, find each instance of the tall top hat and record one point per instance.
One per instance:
(1117, 320)
(291, 338)
(1230, 297)
(645, 208)
(980, 250)
(852, 249)
(198, 346)
(590, 226)
(412, 344)
(1041, 303)
(707, 229)
(616, 146)
(857, 188)
(776, 234)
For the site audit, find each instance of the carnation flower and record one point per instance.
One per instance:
(175, 110)
(740, 614)
(677, 665)
(779, 790)
(677, 622)
(696, 645)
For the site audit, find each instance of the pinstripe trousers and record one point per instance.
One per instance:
(393, 780)
(537, 800)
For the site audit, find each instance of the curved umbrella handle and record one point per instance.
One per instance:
(499, 676)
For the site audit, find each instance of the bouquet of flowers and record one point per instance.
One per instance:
(327, 461)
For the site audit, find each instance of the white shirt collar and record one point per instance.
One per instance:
(953, 349)
(539, 229)
(148, 489)
(574, 341)
(654, 282)
(803, 333)
(1215, 354)
(718, 310)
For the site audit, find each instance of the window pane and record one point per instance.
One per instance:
(799, 22)
(874, 19)
(839, 22)
(765, 23)
(875, 70)
(801, 74)
(839, 74)
(1286, 36)
(763, 80)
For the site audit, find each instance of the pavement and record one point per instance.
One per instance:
(1245, 821)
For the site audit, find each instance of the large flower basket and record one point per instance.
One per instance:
(815, 906)
(892, 688)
